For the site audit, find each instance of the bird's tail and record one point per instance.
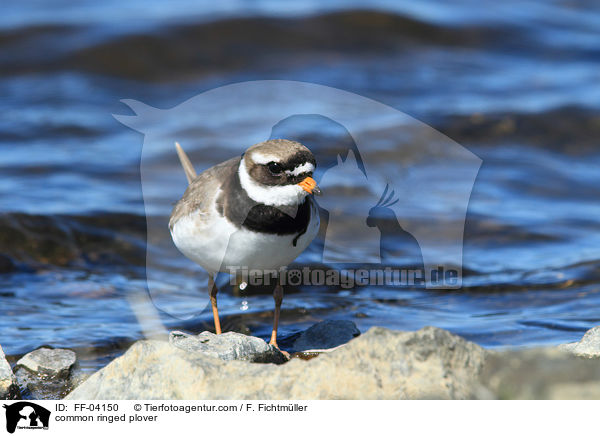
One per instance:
(190, 172)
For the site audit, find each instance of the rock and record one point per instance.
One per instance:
(326, 334)
(228, 346)
(544, 373)
(588, 346)
(380, 364)
(45, 374)
(49, 362)
(8, 382)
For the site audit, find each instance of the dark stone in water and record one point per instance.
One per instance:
(326, 334)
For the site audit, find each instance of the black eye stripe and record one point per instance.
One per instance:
(300, 159)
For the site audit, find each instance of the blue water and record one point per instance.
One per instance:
(515, 83)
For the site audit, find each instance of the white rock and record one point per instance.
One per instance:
(588, 346)
(8, 381)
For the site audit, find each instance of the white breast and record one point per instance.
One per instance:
(217, 245)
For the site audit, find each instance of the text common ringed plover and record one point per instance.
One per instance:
(252, 211)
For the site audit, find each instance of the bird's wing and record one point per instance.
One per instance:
(199, 195)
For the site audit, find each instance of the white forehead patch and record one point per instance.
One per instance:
(263, 159)
(306, 167)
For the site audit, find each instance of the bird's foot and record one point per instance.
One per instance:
(285, 353)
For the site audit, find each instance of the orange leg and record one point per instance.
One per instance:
(212, 289)
(278, 297)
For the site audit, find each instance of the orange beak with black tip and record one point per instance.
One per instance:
(310, 186)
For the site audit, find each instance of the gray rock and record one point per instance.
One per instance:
(228, 346)
(544, 373)
(45, 374)
(49, 362)
(8, 381)
(588, 346)
(380, 364)
(326, 334)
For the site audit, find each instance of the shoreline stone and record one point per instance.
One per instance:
(227, 346)
(430, 363)
(45, 373)
(49, 362)
(380, 364)
(8, 381)
(588, 347)
(541, 373)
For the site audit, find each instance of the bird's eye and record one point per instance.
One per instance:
(274, 168)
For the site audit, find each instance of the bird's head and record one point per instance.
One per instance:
(278, 172)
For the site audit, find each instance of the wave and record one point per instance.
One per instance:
(234, 43)
(36, 241)
(568, 129)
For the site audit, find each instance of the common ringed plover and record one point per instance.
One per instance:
(252, 211)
